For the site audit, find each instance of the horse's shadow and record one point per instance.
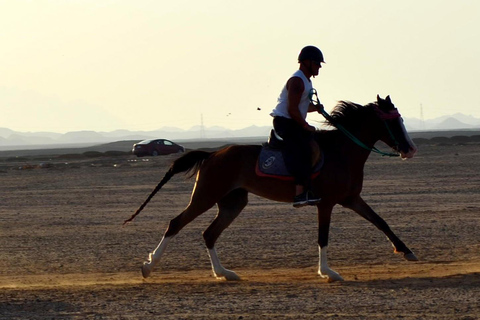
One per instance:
(464, 281)
(36, 308)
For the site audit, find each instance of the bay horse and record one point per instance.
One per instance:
(225, 177)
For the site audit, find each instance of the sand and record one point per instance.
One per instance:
(65, 255)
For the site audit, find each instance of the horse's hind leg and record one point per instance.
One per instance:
(229, 208)
(194, 209)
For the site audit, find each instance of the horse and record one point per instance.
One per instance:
(226, 177)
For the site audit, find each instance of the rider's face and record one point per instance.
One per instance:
(315, 67)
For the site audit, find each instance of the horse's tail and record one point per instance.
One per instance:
(190, 162)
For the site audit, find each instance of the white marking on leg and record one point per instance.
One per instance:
(218, 270)
(323, 269)
(154, 257)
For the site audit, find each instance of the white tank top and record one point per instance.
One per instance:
(281, 110)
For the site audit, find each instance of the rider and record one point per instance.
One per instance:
(289, 123)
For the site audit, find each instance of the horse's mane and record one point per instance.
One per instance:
(348, 113)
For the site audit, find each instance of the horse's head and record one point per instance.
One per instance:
(393, 133)
(379, 120)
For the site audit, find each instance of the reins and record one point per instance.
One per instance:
(316, 102)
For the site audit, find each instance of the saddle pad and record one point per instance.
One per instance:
(271, 164)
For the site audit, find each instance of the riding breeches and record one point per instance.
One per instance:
(298, 153)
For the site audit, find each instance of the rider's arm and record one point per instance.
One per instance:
(295, 89)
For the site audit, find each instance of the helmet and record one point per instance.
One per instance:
(311, 53)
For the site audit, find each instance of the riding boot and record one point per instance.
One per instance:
(306, 198)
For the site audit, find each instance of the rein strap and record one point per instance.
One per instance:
(315, 101)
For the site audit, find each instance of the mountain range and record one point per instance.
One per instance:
(10, 139)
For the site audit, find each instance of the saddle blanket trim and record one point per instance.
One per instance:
(269, 159)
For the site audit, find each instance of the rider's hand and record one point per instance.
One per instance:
(309, 128)
(319, 107)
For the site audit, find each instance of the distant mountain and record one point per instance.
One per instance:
(83, 136)
(4, 132)
(466, 119)
(452, 122)
(10, 139)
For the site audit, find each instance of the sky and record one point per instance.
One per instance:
(98, 65)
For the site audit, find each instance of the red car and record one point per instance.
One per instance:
(156, 147)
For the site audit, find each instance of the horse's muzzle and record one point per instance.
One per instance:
(409, 154)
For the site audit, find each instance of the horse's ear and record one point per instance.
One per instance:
(378, 98)
(388, 99)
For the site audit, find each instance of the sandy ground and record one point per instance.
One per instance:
(65, 255)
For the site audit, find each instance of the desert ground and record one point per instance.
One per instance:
(65, 255)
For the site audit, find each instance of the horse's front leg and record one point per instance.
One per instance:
(363, 209)
(324, 215)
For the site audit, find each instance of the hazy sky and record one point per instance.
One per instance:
(142, 65)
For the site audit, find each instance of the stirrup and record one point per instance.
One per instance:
(306, 198)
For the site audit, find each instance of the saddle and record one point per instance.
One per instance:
(271, 163)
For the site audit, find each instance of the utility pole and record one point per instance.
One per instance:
(421, 117)
(202, 127)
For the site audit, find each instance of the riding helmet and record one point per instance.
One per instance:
(311, 53)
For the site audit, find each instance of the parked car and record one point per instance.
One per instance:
(156, 147)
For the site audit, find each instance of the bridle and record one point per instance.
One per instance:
(384, 116)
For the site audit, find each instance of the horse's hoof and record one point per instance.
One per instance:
(146, 270)
(329, 280)
(232, 277)
(331, 276)
(227, 275)
(334, 278)
(410, 256)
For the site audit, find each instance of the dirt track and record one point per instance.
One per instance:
(64, 254)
